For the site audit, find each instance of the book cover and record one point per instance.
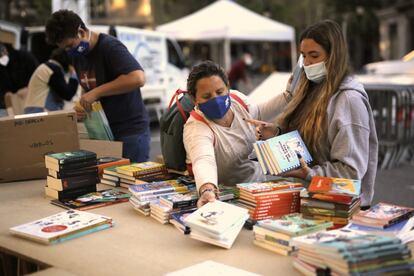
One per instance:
(71, 182)
(136, 169)
(282, 152)
(97, 124)
(106, 162)
(103, 196)
(332, 185)
(215, 217)
(50, 228)
(83, 206)
(180, 200)
(260, 187)
(384, 212)
(70, 157)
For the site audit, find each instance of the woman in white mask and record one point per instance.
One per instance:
(331, 111)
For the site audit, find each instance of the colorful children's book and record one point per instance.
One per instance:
(382, 215)
(97, 123)
(261, 187)
(61, 226)
(280, 154)
(332, 185)
(294, 225)
(103, 196)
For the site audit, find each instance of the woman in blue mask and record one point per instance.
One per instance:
(331, 111)
(217, 139)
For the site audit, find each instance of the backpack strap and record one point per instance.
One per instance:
(240, 101)
(177, 102)
(200, 118)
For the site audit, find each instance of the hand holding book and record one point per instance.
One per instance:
(264, 130)
(208, 193)
(301, 172)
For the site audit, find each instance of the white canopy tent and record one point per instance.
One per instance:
(225, 20)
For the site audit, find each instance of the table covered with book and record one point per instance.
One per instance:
(135, 245)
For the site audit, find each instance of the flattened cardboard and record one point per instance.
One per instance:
(102, 148)
(25, 139)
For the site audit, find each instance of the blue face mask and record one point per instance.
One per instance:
(215, 108)
(81, 49)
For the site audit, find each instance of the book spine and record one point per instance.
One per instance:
(79, 165)
(76, 172)
(77, 182)
(82, 233)
(74, 193)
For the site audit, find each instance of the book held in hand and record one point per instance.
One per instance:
(280, 153)
(97, 123)
(62, 226)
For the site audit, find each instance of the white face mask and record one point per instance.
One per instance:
(315, 72)
(4, 60)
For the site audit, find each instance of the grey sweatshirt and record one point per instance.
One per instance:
(351, 146)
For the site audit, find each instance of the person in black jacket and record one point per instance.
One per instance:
(16, 68)
(48, 87)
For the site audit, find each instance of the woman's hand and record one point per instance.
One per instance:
(264, 130)
(87, 99)
(302, 172)
(80, 112)
(207, 194)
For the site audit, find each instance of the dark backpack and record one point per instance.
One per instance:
(171, 130)
(172, 126)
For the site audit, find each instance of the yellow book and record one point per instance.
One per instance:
(138, 169)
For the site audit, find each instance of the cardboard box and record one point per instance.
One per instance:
(25, 139)
(102, 148)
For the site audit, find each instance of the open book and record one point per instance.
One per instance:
(280, 154)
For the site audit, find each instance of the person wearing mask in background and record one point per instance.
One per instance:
(48, 87)
(238, 72)
(219, 145)
(331, 111)
(109, 73)
(16, 69)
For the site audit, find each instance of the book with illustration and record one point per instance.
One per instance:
(216, 217)
(383, 215)
(62, 226)
(280, 153)
(294, 225)
(333, 185)
(140, 169)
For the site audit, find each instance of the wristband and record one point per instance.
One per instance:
(209, 190)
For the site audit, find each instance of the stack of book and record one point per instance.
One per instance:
(139, 173)
(167, 205)
(217, 223)
(93, 200)
(270, 199)
(144, 194)
(333, 199)
(71, 174)
(276, 234)
(177, 220)
(108, 161)
(62, 226)
(383, 215)
(346, 252)
(281, 153)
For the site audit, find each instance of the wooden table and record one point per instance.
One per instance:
(137, 245)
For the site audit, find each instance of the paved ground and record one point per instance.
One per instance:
(392, 186)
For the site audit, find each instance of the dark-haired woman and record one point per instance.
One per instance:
(218, 146)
